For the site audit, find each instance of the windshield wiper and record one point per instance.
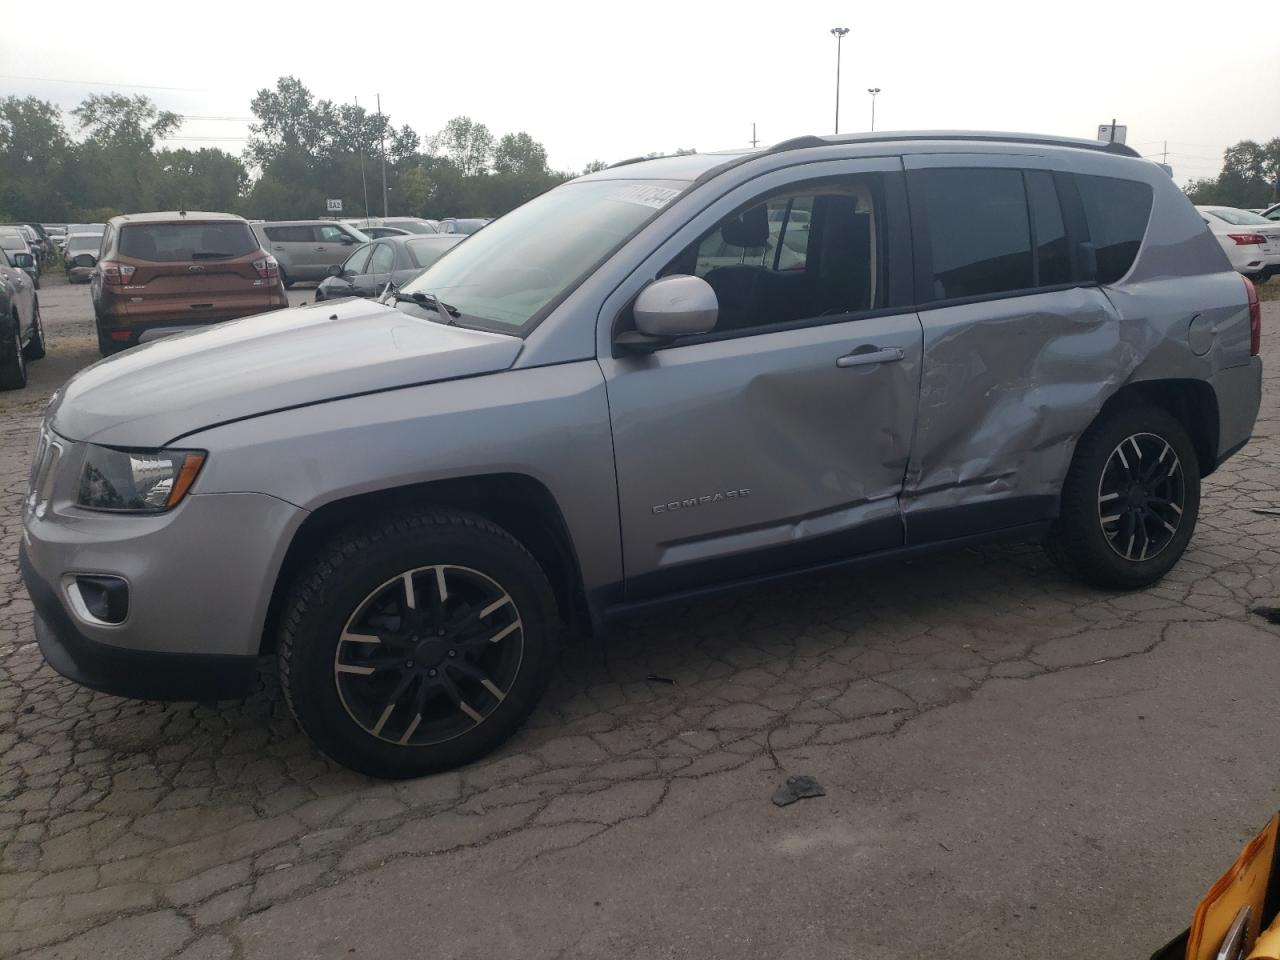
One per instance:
(431, 302)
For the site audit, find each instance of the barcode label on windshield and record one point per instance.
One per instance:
(646, 196)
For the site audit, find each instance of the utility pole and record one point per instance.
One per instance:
(363, 182)
(382, 146)
(873, 91)
(754, 141)
(839, 34)
(1164, 154)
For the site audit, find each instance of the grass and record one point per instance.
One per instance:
(1269, 290)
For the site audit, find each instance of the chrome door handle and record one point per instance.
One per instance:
(861, 357)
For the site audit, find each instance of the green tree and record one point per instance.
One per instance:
(206, 179)
(34, 149)
(467, 143)
(1250, 177)
(519, 153)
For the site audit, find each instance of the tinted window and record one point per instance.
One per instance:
(383, 259)
(424, 253)
(1053, 256)
(794, 257)
(171, 242)
(288, 234)
(979, 235)
(1117, 212)
(356, 262)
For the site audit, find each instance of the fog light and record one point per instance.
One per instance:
(106, 598)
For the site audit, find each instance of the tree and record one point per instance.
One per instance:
(290, 120)
(1250, 177)
(206, 179)
(115, 119)
(519, 153)
(594, 167)
(34, 149)
(467, 143)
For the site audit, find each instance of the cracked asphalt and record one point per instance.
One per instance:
(1015, 765)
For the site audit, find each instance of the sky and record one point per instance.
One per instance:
(615, 80)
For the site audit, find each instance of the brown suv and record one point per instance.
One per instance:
(161, 273)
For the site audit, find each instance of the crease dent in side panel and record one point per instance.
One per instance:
(1008, 387)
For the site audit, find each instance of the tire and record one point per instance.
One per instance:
(13, 365)
(1121, 540)
(35, 349)
(285, 279)
(107, 346)
(363, 717)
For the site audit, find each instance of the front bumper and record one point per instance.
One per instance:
(200, 580)
(141, 674)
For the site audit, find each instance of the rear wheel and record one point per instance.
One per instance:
(13, 365)
(35, 348)
(107, 346)
(1130, 501)
(415, 643)
(286, 279)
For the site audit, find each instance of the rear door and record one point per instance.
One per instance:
(1021, 348)
(192, 270)
(332, 245)
(292, 246)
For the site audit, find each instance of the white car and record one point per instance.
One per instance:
(1272, 212)
(1252, 242)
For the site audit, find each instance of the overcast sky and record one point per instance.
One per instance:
(613, 80)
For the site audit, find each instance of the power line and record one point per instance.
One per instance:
(99, 83)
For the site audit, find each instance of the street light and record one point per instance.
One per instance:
(839, 34)
(873, 91)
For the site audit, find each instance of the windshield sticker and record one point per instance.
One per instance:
(646, 196)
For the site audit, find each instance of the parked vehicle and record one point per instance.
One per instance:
(306, 249)
(20, 326)
(377, 233)
(14, 241)
(97, 229)
(395, 259)
(164, 273)
(407, 224)
(1272, 212)
(81, 256)
(574, 416)
(35, 239)
(466, 225)
(1251, 242)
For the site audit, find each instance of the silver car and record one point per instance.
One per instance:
(306, 249)
(590, 408)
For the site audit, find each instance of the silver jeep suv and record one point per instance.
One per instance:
(669, 377)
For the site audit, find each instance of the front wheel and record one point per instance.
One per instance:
(35, 348)
(416, 642)
(1130, 500)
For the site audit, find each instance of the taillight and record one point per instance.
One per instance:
(1244, 239)
(268, 268)
(115, 274)
(1255, 317)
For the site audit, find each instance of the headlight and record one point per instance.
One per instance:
(137, 481)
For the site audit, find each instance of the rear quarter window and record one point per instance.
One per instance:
(171, 242)
(1117, 212)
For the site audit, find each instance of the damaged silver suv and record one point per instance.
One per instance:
(670, 377)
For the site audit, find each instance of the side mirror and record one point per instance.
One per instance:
(24, 261)
(1088, 254)
(675, 306)
(335, 269)
(347, 240)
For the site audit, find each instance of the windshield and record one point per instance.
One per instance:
(83, 243)
(12, 241)
(1239, 217)
(506, 273)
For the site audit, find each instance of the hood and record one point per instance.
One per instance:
(152, 394)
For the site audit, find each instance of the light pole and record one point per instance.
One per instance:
(873, 91)
(839, 34)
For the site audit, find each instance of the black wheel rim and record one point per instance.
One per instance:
(429, 655)
(1141, 497)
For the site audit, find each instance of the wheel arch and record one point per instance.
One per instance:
(518, 503)
(1192, 402)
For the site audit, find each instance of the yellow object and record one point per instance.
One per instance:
(1245, 884)
(1268, 945)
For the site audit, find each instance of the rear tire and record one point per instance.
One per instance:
(285, 279)
(35, 348)
(1126, 519)
(107, 346)
(13, 365)
(416, 642)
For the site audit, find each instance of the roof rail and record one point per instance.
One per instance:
(629, 161)
(800, 143)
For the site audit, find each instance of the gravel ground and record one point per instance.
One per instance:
(1014, 765)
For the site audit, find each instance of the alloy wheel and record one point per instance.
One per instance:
(429, 655)
(1141, 496)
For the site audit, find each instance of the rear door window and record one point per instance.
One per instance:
(979, 231)
(1117, 212)
(289, 234)
(171, 242)
(1053, 254)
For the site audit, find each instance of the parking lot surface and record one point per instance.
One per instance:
(1014, 766)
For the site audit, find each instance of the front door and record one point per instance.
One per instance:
(781, 439)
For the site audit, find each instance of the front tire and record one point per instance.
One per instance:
(13, 365)
(1130, 501)
(416, 642)
(35, 349)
